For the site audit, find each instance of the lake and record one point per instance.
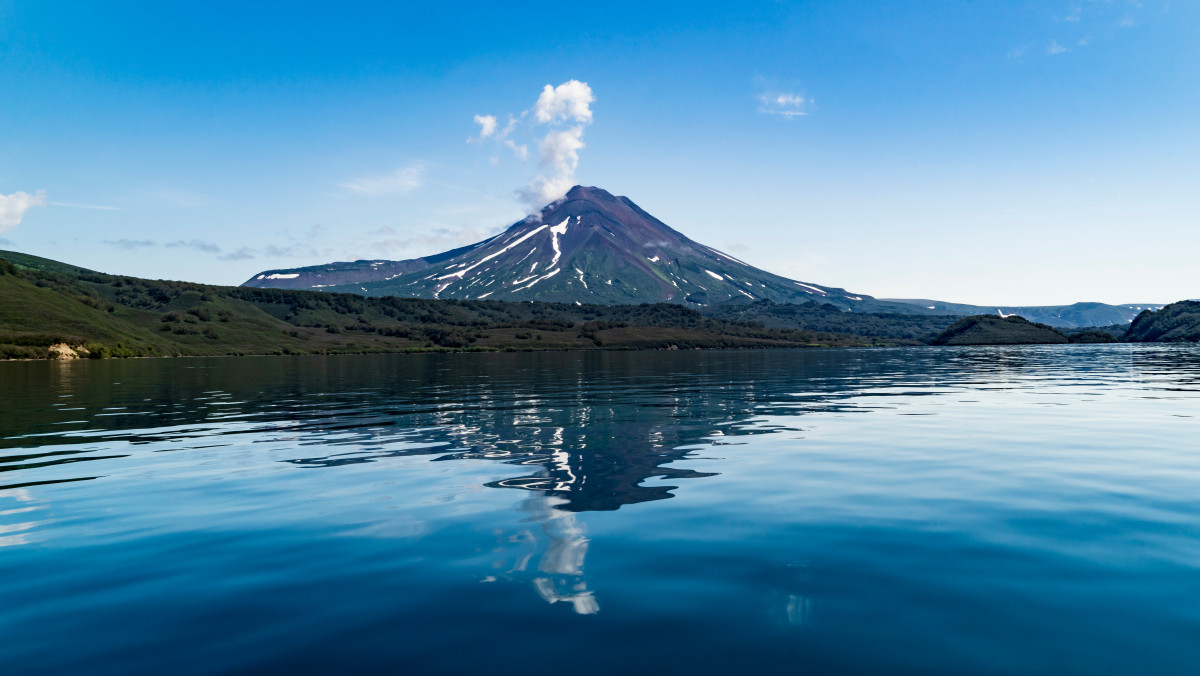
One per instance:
(912, 510)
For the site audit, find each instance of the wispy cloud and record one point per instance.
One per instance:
(243, 254)
(136, 244)
(391, 243)
(1019, 53)
(176, 198)
(94, 207)
(300, 246)
(784, 104)
(198, 245)
(521, 152)
(400, 181)
(130, 244)
(1085, 19)
(1103, 10)
(289, 251)
(14, 206)
(270, 251)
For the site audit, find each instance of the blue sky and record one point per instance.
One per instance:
(988, 152)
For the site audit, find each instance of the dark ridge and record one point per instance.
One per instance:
(994, 330)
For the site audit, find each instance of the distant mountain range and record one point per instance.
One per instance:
(1062, 316)
(592, 247)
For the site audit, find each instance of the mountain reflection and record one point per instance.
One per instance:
(590, 455)
(560, 566)
(594, 431)
(569, 434)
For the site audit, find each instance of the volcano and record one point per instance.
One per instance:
(592, 247)
(588, 247)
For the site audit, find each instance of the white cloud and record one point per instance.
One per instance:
(14, 206)
(566, 110)
(570, 100)
(487, 125)
(399, 181)
(543, 190)
(560, 151)
(1055, 48)
(784, 104)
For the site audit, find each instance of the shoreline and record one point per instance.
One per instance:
(423, 351)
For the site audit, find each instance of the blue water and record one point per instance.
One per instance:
(916, 510)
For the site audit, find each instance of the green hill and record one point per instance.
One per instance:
(994, 330)
(45, 303)
(823, 317)
(1177, 322)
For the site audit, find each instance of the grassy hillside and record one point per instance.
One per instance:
(827, 318)
(43, 303)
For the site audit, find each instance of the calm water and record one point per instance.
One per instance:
(977, 510)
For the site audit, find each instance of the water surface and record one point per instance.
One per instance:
(916, 510)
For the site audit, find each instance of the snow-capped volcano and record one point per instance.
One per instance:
(594, 247)
(588, 247)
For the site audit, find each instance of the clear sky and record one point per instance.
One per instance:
(1021, 152)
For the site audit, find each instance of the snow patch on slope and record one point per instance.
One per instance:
(723, 255)
(560, 229)
(812, 288)
(485, 259)
(550, 274)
